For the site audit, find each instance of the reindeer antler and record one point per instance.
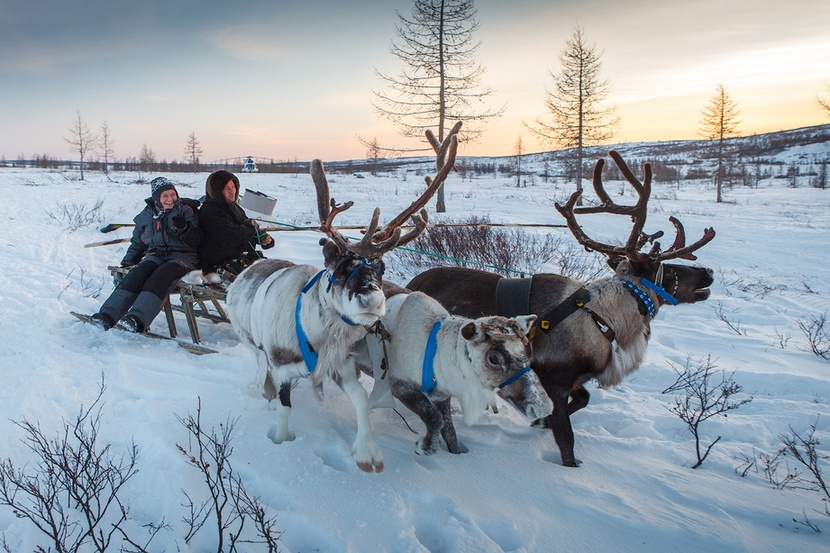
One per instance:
(376, 242)
(638, 213)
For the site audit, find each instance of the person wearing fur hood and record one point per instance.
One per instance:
(163, 248)
(231, 237)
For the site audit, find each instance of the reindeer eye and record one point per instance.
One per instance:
(495, 358)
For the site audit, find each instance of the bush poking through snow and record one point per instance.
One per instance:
(78, 216)
(228, 501)
(818, 335)
(472, 243)
(72, 492)
(701, 399)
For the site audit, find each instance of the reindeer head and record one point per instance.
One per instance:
(682, 283)
(355, 269)
(504, 347)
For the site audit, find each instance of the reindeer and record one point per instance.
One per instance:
(431, 356)
(301, 319)
(598, 330)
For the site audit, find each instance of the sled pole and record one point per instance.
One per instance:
(106, 243)
(115, 226)
(437, 225)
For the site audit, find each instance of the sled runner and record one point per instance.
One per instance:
(192, 348)
(194, 300)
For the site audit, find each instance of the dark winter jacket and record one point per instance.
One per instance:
(228, 232)
(156, 234)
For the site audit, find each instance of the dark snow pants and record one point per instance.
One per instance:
(144, 289)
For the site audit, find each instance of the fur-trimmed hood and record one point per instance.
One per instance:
(216, 183)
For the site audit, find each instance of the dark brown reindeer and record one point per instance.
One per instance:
(598, 330)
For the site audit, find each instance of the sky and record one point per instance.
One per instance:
(295, 79)
(634, 490)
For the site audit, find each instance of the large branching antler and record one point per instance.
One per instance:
(638, 213)
(376, 242)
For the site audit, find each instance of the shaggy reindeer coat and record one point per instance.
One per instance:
(262, 304)
(473, 358)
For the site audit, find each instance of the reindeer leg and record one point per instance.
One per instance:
(559, 423)
(282, 433)
(579, 399)
(410, 395)
(448, 429)
(365, 449)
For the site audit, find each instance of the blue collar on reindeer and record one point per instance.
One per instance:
(660, 291)
(428, 381)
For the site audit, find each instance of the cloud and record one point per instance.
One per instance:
(248, 42)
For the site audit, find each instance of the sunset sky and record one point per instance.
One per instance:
(294, 79)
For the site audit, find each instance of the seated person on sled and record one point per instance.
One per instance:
(162, 250)
(230, 237)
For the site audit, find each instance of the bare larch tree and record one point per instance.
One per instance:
(720, 121)
(578, 115)
(440, 80)
(824, 103)
(105, 142)
(81, 140)
(192, 151)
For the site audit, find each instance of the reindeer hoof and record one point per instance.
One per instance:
(569, 463)
(374, 466)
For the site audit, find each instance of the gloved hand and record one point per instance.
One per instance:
(266, 240)
(180, 222)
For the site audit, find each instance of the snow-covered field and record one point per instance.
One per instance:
(634, 489)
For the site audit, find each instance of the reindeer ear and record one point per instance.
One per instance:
(330, 251)
(526, 322)
(469, 331)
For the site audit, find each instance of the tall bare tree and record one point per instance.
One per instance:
(192, 151)
(440, 81)
(518, 149)
(105, 142)
(146, 159)
(81, 140)
(579, 116)
(824, 103)
(720, 121)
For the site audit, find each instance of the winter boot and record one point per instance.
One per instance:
(102, 321)
(133, 324)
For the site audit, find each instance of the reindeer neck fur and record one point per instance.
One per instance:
(617, 305)
(331, 336)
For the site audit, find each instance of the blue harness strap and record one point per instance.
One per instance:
(428, 381)
(515, 377)
(309, 355)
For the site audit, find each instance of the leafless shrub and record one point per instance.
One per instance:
(77, 216)
(782, 339)
(817, 334)
(72, 493)
(734, 326)
(228, 501)
(89, 287)
(507, 251)
(702, 399)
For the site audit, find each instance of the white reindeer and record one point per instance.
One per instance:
(432, 356)
(303, 320)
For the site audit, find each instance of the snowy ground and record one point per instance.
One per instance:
(634, 489)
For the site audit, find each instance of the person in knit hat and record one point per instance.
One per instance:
(230, 237)
(163, 248)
